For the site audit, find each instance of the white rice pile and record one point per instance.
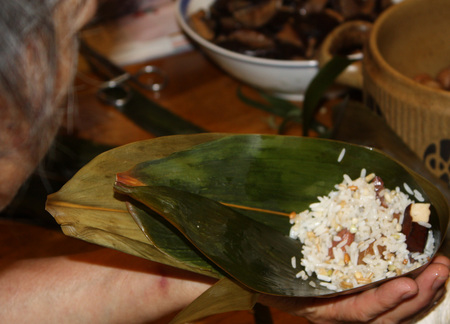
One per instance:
(367, 238)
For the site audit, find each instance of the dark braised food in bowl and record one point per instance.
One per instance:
(279, 29)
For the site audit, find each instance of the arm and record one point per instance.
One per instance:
(47, 277)
(102, 286)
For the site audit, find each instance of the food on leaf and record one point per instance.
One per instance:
(362, 232)
(263, 177)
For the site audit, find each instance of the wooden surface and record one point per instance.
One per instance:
(197, 90)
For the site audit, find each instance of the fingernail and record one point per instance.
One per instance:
(439, 282)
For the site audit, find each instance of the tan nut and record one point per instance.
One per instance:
(346, 258)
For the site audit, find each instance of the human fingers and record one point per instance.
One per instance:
(372, 304)
(384, 303)
(360, 308)
(430, 285)
(404, 298)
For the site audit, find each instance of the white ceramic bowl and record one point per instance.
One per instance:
(288, 79)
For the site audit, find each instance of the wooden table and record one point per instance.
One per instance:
(197, 90)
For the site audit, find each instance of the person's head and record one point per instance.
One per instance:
(37, 64)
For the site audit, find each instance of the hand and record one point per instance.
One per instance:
(396, 301)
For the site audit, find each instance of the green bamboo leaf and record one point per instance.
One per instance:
(285, 109)
(271, 104)
(321, 82)
(168, 240)
(224, 296)
(87, 208)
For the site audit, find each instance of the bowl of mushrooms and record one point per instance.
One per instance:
(271, 45)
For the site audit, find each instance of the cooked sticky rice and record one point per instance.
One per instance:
(354, 235)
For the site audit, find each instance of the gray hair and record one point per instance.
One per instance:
(38, 54)
(30, 67)
(27, 29)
